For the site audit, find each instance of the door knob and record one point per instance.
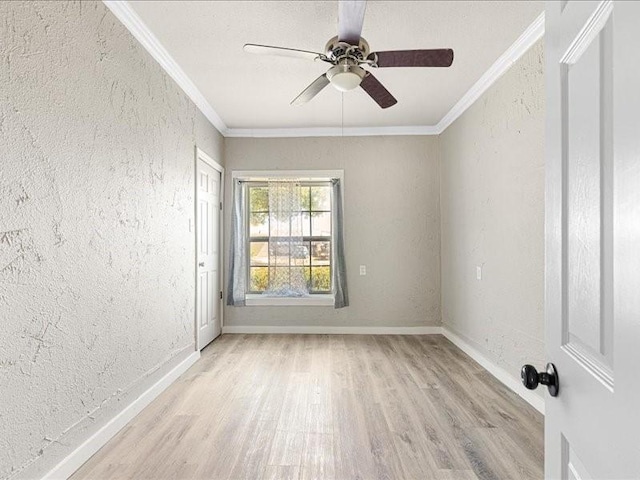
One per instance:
(201, 264)
(531, 378)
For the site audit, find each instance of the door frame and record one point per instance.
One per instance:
(201, 155)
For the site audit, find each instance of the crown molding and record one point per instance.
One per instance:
(531, 35)
(130, 19)
(330, 131)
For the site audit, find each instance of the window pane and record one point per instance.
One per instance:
(279, 226)
(321, 198)
(306, 224)
(321, 224)
(320, 279)
(305, 194)
(298, 277)
(259, 279)
(285, 278)
(283, 251)
(258, 199)
(300, 254)
(259, 253)
(279, 252)
(300, 224)
(259, 225)
(320, 253)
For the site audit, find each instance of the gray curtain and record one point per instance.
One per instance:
(339, 273)
(237, 287)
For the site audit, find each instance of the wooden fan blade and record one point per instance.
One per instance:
(350, 20)
(377, 91)
(311, 91)
(281, 51)
(440, 57)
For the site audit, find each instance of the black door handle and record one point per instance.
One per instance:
(531, 378)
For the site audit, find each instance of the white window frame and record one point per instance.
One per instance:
(316, 300)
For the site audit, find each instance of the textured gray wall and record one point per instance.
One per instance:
(391, 219)
(492, 193)
(96, 193)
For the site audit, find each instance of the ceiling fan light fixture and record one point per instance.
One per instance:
(348, 52)
(346, 76)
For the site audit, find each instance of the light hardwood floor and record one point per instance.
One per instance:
(329, 407)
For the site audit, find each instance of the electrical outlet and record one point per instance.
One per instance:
(363, 269)
(479, 272)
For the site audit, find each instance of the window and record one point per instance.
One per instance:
(291, 243)
(286, 239)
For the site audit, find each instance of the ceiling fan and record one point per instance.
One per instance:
(348, 53)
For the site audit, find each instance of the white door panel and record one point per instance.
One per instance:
(208, 302)
(592, 429)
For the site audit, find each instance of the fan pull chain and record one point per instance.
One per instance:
(342, 113)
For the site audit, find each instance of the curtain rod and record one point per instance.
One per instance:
(283, 179)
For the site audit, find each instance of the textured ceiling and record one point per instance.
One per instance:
(252, 91)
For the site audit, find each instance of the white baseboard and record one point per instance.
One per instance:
(334, 330)
(80, 455)
(500, 373)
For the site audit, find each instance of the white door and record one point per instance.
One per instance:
(208, 291)
(592, 428)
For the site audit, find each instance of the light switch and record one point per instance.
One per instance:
(479, 272)
(363, 269)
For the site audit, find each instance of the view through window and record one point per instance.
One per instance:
(270, 238)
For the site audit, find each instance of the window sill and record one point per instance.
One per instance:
(310, 301)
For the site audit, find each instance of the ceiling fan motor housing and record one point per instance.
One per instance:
(336, 49)
(346, 74)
